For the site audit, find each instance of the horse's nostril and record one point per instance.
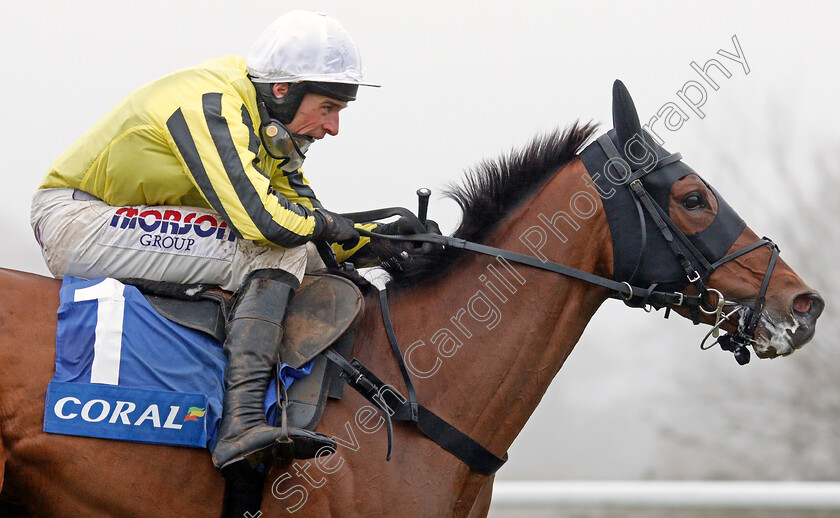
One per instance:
(808, 305)
(802, 304)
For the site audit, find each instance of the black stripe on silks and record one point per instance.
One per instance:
(296, 183)
(245, 190)
(180, 132)
(295, 179)
(253, 139)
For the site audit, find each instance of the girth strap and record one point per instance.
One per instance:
(362, 381)
(395, 406)
(458, 443)
(433, 426)
(395, 348)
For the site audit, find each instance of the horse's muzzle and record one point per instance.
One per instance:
(782, 336)
(806, 308)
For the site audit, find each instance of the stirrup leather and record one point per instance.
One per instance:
(295, 443)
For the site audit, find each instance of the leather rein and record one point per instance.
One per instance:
(395, 406)
(682, 247)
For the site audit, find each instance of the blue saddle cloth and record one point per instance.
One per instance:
(124, 372)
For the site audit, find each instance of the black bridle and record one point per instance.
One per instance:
(634, 296)
(683, 250)
(662, 170)
(665, 266)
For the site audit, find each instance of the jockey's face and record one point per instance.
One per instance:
(316, 116)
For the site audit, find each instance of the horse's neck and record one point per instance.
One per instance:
(489, 353)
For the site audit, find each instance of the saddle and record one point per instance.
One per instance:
(323, 314)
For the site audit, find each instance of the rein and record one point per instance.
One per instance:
(635, 296)
(393, 405)
(745, 332)
(646, 298)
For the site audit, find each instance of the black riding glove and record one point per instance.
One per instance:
(403, 227)
(334, 228)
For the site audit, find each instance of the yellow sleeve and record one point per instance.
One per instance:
(217, 144)
(295, 186)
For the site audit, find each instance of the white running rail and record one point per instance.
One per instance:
(655, 494)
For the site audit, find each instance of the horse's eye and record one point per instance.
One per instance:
(694, 201)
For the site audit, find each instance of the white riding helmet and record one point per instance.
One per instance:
(305, 46)
(313, 53)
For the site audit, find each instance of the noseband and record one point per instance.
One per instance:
(697, 267)
(652, 253)
(682, 249)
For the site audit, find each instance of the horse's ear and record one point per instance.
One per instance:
(625, 119)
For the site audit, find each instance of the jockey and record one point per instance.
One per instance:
(195, 178)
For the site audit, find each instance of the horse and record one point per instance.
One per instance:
(481, 335)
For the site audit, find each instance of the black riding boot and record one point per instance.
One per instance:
(254, 332)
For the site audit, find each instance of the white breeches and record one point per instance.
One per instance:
(85, 237)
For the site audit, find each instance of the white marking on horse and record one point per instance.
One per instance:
(778, 336)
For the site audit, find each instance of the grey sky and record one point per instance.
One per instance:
(462, 81)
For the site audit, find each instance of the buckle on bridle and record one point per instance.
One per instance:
(695, 279)
(628, 297)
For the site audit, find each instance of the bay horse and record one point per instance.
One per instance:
(483, 338)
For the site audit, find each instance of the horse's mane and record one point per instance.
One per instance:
(489, 192)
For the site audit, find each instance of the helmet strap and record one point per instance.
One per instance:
(281, 108)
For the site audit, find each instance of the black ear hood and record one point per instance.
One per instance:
(625, 118)
(624, 154)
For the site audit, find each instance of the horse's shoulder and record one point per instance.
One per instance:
(17, 280)
(24, 294)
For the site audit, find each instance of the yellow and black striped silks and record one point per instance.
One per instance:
(189, 139)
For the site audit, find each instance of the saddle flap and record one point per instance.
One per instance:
(207, 312)
(308, 395)
(323, 309)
